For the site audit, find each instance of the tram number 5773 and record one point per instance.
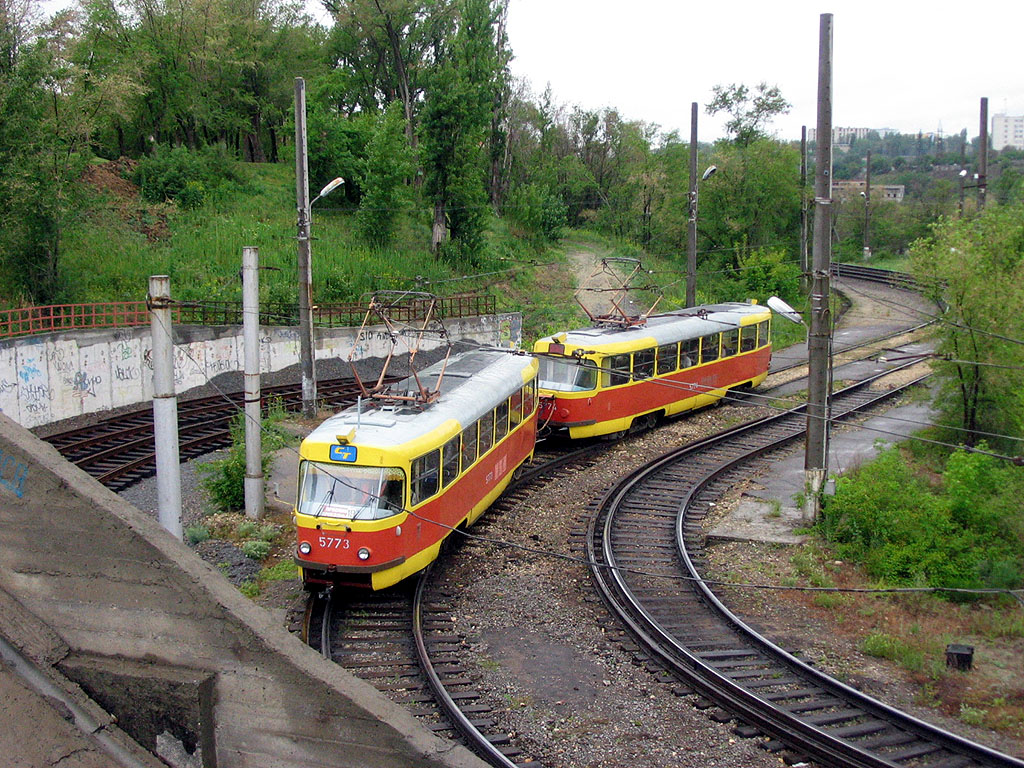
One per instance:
(334, 542)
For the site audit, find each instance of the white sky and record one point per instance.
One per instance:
(896, 64)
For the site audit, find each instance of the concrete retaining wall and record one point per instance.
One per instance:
(140, 622)
(57, 376)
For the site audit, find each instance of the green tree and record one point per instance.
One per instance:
(975, 266)
(388, 163)
(454, 129)
(749, 112)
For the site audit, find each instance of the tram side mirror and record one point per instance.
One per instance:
(777, 305)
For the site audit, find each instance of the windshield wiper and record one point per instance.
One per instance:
(327, 500)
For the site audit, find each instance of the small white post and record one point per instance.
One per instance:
(254, 496)
(165, 406)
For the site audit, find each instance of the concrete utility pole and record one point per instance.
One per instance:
(983, 155)
(820, 336)
(691, 225)
(804, 266)
(165, 406)
(254, 496)
(867, 208)
(306, 346)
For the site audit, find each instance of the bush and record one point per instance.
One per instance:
(224, 479)
(255, 550)
(182, 175)
(538, 211)
(197, 533)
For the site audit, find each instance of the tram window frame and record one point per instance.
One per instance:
(500, 421)
(613, 374)
(667, 359)
(515, 409)
(689, 353)
(450, 469)
(706, 345)
(469, 445)
(529, 398)
(764, 333)
(748, 338)
(486, 428)
(425, 473)
(643, 363)
(730, 342)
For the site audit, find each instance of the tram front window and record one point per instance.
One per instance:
(350, 492)
(567, 376)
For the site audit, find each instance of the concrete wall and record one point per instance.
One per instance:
(57, 376)
(140, 622)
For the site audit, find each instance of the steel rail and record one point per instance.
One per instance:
(802, 735)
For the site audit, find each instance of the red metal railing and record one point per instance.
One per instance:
(26, 321)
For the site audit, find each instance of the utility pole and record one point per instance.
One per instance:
(983, 154)
(820, 334)
(867, 208)
(165, 407)
(691, 226)
(306, 347)
(804, 266)
(254, 496)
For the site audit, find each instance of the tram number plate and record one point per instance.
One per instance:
(334, 542)
(345, 453)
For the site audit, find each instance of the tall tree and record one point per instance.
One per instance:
(749, 112)
(455, 124)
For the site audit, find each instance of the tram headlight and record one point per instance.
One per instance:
(363, 553)
(305, 547)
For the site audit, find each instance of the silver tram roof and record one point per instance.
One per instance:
(474, 382)
(666, 328)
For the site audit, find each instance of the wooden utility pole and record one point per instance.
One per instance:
(983, 154)
(305, 261)
(691, 225)
(820, 335)
(804, 266)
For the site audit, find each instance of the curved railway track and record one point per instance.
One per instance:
(402, 642)
(119, 451)
(647, 548)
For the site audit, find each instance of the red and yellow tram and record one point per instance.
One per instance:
(381, 487)
(606, 380)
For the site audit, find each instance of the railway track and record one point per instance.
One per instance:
(119, 451)
(646, 546)
(401, 640)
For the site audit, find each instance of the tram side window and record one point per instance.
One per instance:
(515, 410)
(486, 432)
(450, 460)
(730, 342)
(500, 421)
(748, 338)
(763, 333)
(689, 353)
(709, 348)
(425, 472)
(468, 445)
(668, 356)
(615, 371)
(643, 364)
(529, 397)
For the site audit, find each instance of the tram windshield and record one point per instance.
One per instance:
(350, 492)
(566, 375)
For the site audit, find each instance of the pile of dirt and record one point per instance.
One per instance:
(112, 179)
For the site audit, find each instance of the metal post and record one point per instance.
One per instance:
(691, 226)
(805, 269)
(254, 496)
(983, 155)
(165, 406)
(867, 208)
(306, 346)
(819, 337)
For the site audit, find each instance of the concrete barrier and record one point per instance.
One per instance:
(57, 376)
(166, 644)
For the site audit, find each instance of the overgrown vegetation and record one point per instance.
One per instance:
(961, 529)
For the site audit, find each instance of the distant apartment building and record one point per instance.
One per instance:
(1007, 132)
(846, 136)
(844, 190)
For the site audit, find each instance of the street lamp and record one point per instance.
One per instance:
(691, 233)
(307, 346)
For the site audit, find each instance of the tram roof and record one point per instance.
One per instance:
(668, 327)
(474, 382)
